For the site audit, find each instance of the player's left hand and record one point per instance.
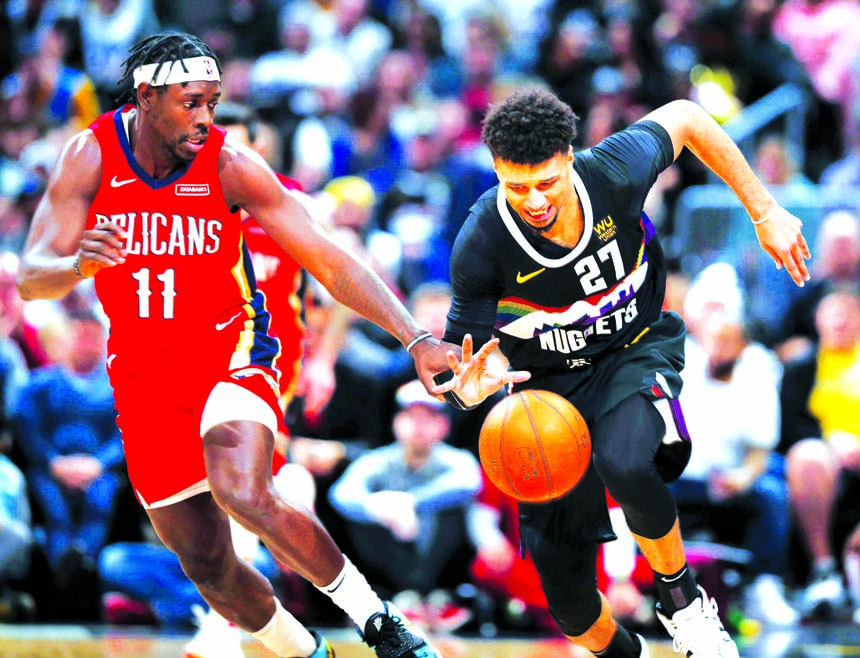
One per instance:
(101, 246)
(477, 376)
(781, 237)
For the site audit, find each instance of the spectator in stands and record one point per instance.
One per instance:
(570, 54)
(405, 503)
(821, 396)
(109, 28)
(823, 36)
(13, 367)
(777, 166)
(416, 207)
(66, 419)
(13, 324)
(235, 28)
(467, 163)
(639, 59)
(837, 267)
(844, 173)
(366, 145)
(734, 484)
(439, 72)
(363, 39)
(47, 88)
(303, 61)
(16, 535)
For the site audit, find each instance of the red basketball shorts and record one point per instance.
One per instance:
(161, 417)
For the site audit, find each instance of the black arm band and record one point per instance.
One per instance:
(451, 397)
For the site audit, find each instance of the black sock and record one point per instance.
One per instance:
(624, 644)
(676, 591)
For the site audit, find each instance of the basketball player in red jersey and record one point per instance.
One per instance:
(146, 202)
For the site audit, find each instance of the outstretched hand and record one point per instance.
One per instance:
(477, 376)
(780, 236)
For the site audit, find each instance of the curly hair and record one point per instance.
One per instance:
(158, 49)
(529, 127)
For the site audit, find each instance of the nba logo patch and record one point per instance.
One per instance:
(209, 66)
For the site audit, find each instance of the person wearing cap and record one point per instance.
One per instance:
(405, 504)
(146, 201)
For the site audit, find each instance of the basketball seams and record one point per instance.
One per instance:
(502, 460)
(537, 462)
(536, 436)
(580, 444)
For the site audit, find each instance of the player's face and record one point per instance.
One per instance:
(537, 192)
(183, 115)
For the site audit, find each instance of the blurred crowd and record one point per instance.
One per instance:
(374, 107)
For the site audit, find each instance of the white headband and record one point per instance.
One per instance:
(172, 72)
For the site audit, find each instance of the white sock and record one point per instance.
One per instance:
(351, 592)
(284, 635)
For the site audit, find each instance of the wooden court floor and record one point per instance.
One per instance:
(70, 641)
(92, 642)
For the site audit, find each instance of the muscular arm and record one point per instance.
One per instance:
(248, 182)
(689, 125)
(59, 221)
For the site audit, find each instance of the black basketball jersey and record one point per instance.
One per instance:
(557, 308)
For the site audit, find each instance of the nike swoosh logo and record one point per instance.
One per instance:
(523, 278)
(219, 326)
(332, 590)
(119, 183)
(672, 580)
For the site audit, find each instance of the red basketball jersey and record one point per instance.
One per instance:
(187, 274)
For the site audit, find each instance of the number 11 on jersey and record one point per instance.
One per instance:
(168, 292)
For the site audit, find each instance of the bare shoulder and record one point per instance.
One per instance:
(244, 174)
(79, 166)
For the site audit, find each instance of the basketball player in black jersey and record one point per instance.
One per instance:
(559, 269)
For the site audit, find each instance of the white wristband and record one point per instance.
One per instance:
(418, 339)
(762, 220)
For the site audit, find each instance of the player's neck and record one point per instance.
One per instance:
(568, 228)
(144, 148)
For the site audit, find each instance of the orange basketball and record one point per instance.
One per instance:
(534, 446)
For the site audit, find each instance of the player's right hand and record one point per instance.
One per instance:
(477, 376)
(101, 246)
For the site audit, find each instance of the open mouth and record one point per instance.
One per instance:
(540, 217)
(195, 143)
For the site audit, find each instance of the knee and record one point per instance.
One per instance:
(810, 453)
(113, 564)
(621, 474)
(244, 500)
(578, 612)
(205, 564)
